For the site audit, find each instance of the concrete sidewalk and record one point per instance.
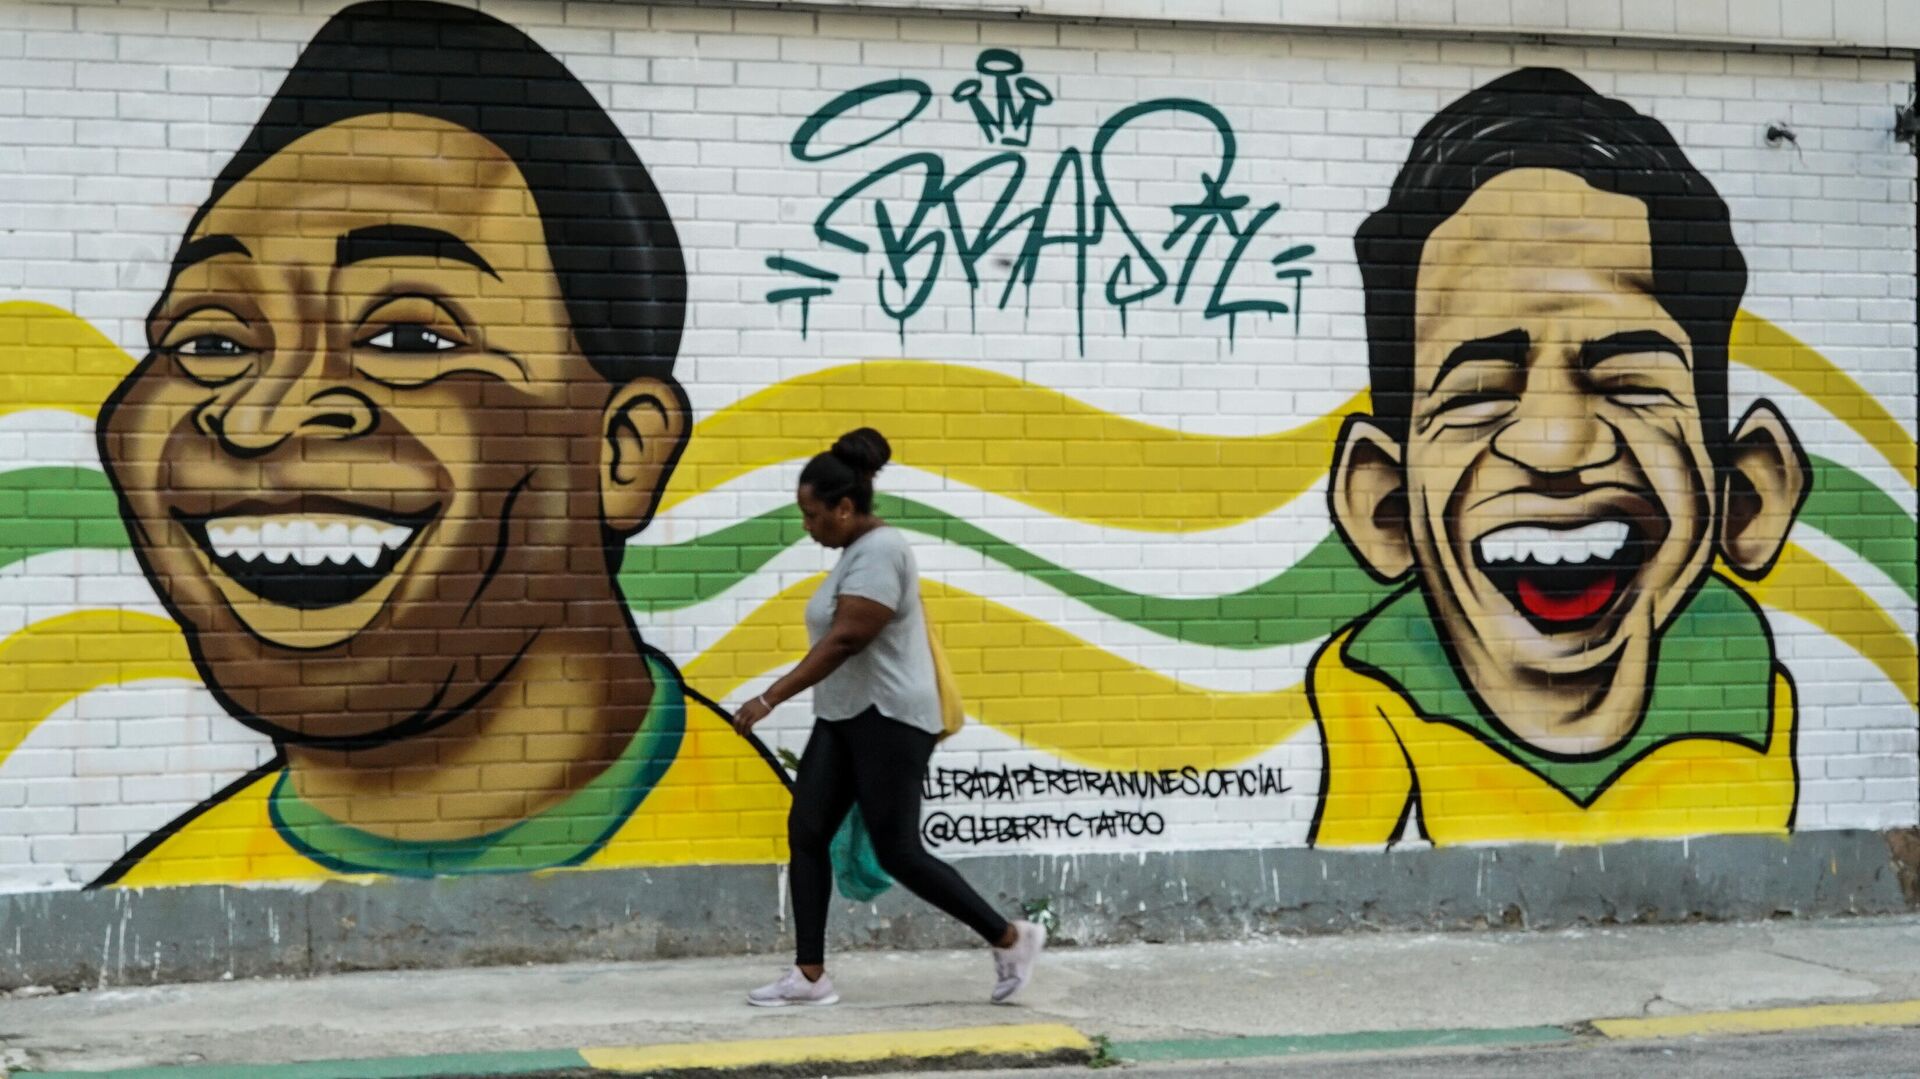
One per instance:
(1140, 994)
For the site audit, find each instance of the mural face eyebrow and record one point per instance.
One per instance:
(206, 247)
(1631, 343)
(1509, 347)
(393, 241)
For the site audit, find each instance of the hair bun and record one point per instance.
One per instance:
(864, 450)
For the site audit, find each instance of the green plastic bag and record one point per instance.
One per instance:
(856, 865)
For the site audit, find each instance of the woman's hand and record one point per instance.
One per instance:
(856, 622)
(745, 716)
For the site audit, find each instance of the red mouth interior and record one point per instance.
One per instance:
(1588, 601)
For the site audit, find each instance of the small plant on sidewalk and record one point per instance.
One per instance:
(1040, 912)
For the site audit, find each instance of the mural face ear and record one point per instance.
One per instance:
(1368, 496)
(643, 431)
(1766, 479)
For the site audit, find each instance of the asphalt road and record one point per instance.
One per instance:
(1866, 1053)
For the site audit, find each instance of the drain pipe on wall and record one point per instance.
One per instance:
(1906, 129)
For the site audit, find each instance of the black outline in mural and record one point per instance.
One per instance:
(138, 852)
(1412, 807)
(726, 716)
(618, 271)
(1540, 118)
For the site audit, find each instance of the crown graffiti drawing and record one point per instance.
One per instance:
(1008, 119)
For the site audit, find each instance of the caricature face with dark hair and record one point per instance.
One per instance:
(365, 461)
(1556, 492)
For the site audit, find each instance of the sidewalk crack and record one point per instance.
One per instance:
(1810, 962)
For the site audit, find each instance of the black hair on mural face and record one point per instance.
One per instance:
(613, 246)
(1546, 118)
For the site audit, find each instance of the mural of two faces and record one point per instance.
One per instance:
(410, 391)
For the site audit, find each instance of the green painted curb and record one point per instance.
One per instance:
(515, 1063)
(522, 1063)
(1366, 1041)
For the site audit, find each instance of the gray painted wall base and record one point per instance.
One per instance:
(85, 939)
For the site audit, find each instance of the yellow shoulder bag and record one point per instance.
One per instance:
(953, 713)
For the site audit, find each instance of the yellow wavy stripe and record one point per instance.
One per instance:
(1040, 684)
(1767, 348)
(1022, 676)
(1023, 441)
(992, 431)
(50, 358)
(995, 432)
(1809, 589)
(50, 663)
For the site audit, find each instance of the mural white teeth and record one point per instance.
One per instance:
(1211, 463)
(309, 541)
(1600, 540)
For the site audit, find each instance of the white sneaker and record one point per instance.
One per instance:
(794, 988)
(1013, 966)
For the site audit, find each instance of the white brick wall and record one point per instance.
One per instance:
(1874, 24)
(114, 119)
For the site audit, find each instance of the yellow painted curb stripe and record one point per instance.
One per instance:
(842, 1048)
(1897, 1013)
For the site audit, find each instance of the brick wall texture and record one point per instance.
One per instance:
(1574, 501)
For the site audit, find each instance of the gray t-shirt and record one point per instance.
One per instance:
(895, 672)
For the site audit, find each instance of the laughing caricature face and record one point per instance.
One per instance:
(1561, 480)
(365, 459)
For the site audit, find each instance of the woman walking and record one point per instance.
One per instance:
(872, 675)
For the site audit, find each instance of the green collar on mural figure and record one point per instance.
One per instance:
(567, 834)
(1714, 679)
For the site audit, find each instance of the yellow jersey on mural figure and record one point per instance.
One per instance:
(1550, 472)
(408, 392)
(653, 806)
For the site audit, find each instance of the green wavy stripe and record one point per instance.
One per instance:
(50, 509)
(59, 508)
(1317, 595)
(1309, 600)
(1848, 507)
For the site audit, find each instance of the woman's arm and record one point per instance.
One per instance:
(857, 620)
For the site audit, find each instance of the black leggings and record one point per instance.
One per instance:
(878, 763)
